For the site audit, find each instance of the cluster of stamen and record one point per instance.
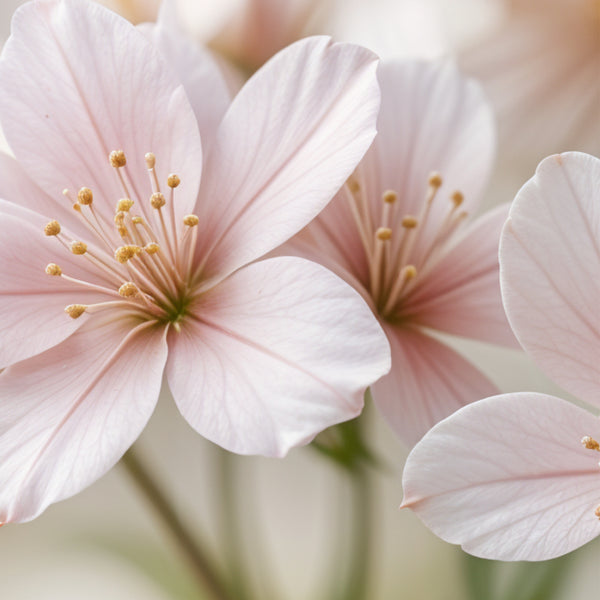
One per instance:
(591, 444)
(141, 260)
(397, 252)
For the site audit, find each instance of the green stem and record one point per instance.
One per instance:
(357, 586)
(202, 567)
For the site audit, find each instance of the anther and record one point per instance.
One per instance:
(124, 204)
(150, 160)
(390, 196)
(409, 222)
(125, 253)
(52, 228)
(137, 220)
(191, 220)
(408, 272)
(457, 198)
(122, 231)
(383, 233)
(78, 247)
(597, 512)
(173, 180)
(117, 159)
(85, 196)
(75, 310)
(157, 200)
(53, 269)
(435, 180)
(77, 207)
(590, 443)
(353, 185)
(128, 290)
(152, 248)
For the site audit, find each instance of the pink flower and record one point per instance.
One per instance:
(540, 68)
(259, 355)
(516, 477)
(402, 237)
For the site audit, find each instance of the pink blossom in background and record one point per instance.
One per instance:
(406, 241)
(158, 272)
(540, 66)
(516, 477)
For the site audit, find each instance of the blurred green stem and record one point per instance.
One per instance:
(202, 567)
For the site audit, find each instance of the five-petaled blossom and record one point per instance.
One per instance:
(516, 476)
(105, 216)
(400, 234)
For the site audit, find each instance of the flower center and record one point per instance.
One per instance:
(591, 444)
(401, 248)
(143, 263)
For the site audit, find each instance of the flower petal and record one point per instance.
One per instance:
(428, 382)
(461, 294)
(291, 137)
(85, 82)
(508, 478)
(196, 68)
(550, 271)
(432, 118)
(32, 303)
(274, 354)
(70, 413)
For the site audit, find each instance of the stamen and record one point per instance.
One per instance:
(125, 253)
(407, 274)
(85, 196)
(75, 310)
(457, 198)
(157, 200)
(191, 220)
(152, 248)
(117, 159)
(590, 443)
(383, 233)
(173, 180)
(129, 290)
(53, 269)
(150, 160)
(389, 196)
(409, 222)
(78, 248)
(435, 180)
(52, 228)
(124, 205)
(597, 511)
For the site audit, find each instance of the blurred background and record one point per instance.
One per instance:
(539, 61)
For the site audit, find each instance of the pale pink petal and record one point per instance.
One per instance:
(289, 140)
(69, 414)
(68, 108)
(550, 271)
(432, 118)
(274, 354)
(508, 478)
(32, 303)
(461, 294)
(196, 69)
(428, 382)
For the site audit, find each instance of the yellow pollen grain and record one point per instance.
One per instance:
(150, 160)
(137, 220)
(119, 218)
(173, 180)
(435, 180)
(77, 207)
(124, 204)
(457, 198)
(122, 231)
(152, 248)
(85, 196)
(128, 290)
(383, 233)
(117, 159)
(75, 310)
(53, 269)
(409, 222)
(408, 272)
(191, 220)
(353, 186)
(157, 200)
(590, 443)
(52, 228)
(125, 253)
(389, 196)
(78, 247)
